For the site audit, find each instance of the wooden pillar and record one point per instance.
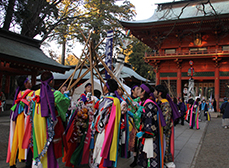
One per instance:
(202, 91)
(197, 90)
(217, 87)
(157, 78)
(1, 75)
(179, 92)
(7, 86)
(33, 80)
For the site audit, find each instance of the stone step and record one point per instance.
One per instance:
(215, 114)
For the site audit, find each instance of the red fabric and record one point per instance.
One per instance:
(101, 164)
(96, 124)
(86, 149)
(96, 106)
(71, 148)
(37, 99)
(23, 97)
(28, 130)
(58, 137)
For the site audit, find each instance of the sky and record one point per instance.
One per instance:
(144, 9)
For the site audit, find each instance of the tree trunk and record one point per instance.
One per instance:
(9, 14)
(63, 52)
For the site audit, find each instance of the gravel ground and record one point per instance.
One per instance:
(214, 151)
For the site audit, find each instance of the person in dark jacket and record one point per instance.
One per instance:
(182, 109)
(224, 109)
(214, 105)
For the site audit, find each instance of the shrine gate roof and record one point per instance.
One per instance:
(182, 10)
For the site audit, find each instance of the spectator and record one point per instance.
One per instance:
(224, 109)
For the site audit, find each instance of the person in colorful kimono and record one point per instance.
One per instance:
(17, 122)
(107, 125)
(170, 113)
(149, 148)
(133, 140)
(124, 132)
(203, 110)
(194, 115)
(188, 111)
(49, 108)
(83, 96)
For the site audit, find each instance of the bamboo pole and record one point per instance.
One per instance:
(91, 67)
(87, 40)
(81, 69)
(65, 82)
(96, 69)
(112, 75)
(85, 73)
(100, 43)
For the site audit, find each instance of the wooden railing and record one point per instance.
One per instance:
(188, 52)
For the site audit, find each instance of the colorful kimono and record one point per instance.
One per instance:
(135, 123)
(107, 126)
(83, 97)
(78, 137)
(61, 106)
(17, 128)
(124, 134)
(149, 149)
(168, 131)
(194, 116)
(47, 132)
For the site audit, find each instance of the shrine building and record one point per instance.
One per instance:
(184, 31)
(20, 55)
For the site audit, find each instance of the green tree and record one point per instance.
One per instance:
(34, 17)
(94, 15)
(103, 15)
(136, 58)
(65, 31)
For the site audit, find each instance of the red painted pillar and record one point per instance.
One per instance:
(179, 94)
(157, 78)
(217, 87)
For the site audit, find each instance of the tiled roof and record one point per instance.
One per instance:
(171, 11)
(14, 47)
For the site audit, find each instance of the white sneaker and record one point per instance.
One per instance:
(225, 127)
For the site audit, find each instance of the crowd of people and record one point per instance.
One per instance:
(45, 129)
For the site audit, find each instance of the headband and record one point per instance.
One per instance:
(47, 99)
(26, 80)
(134, 87)
(116, 93)
(143, 86)
(107, 86)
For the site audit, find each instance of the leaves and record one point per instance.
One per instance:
(136, 55)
